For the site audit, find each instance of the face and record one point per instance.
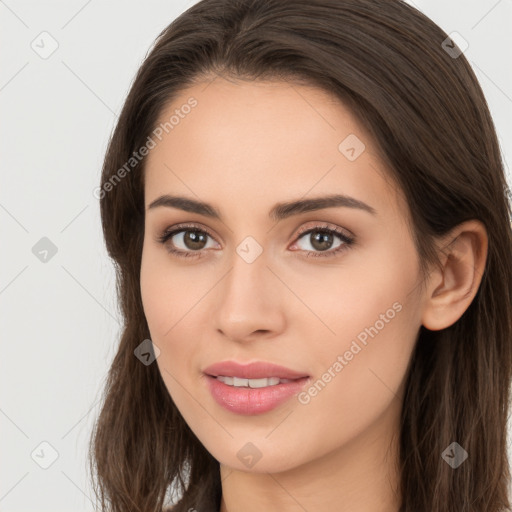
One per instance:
(329, 291)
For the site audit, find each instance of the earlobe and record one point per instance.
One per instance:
(453, 286)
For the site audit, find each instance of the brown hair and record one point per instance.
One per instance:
(429, 119)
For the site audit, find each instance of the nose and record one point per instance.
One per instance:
(250, 301)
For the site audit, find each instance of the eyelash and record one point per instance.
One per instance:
(347, 241)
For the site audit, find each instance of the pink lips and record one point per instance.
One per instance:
(249, 401)
(257, 370)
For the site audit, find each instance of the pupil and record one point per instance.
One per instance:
(322, 241)
(195, 239)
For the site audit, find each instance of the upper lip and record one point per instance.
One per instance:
(255, 370)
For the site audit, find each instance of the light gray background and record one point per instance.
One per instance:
(59, 320)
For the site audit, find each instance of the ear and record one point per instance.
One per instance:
(452, 286)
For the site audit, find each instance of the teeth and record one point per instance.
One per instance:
(239, 382)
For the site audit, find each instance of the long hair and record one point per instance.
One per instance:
(423, 106)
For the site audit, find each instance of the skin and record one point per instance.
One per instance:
(245, 147)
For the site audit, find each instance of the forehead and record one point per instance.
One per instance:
(263, 142)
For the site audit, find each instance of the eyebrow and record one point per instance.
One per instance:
(278, 212)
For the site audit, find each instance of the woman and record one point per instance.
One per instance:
(306, 207)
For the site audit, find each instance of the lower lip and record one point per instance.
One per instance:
(250, 401)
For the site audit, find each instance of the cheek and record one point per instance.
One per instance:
(373, 318)
(155, 294)
(166, 291)
(171, 298)
(370, 292)
(360, 382)
(163, 299)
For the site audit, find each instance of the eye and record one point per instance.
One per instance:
(188, 241)
(320, 240)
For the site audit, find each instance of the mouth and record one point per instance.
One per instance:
(240, 382)
(255, 371)
(253, 388)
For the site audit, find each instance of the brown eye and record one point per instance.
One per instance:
(187, 241)
(321, 239)
(190, 241)
(194, 240)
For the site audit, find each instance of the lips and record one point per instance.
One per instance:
(255, 370)
(250, 389)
